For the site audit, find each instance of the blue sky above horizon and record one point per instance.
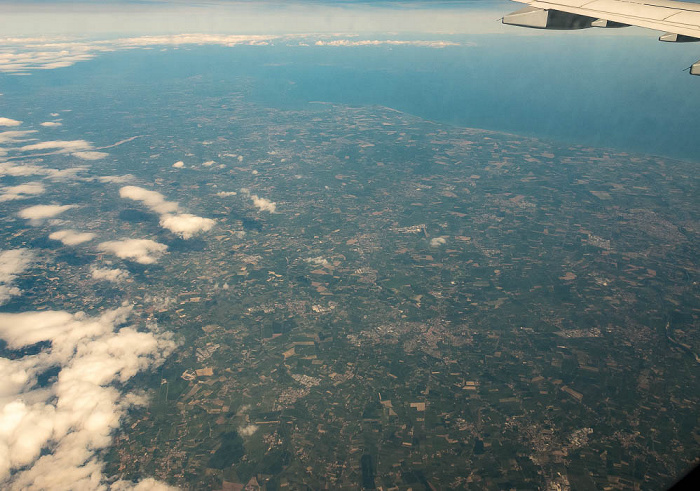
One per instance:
(155, 17)
(87, 17)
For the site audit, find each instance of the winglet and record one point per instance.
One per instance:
(695, 68)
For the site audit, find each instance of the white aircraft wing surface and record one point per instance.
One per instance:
(679, 20)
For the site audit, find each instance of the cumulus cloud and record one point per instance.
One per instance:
(437, 241)
(179, 164)
(51, 124)
(59, 145)
(318, 261)
(22, 55)
(143, 251)
(16, 170)
(43, 54)
(42, 212)
(79, 148)
(22, 170)
(71, 237)
(13, 262)
(115, 275)
(263, 204)
(152, 199)
(247, 430)
(117, 179)
(52, 435)
(64, 174)
(15, 136)
(90, 155)
(185, 224)
(226, 194)
(180, 39)
(22, 191)
(208, 163)
(9, 122)
(148, 484)
(386, 42)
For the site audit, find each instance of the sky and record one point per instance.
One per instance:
(38, 17)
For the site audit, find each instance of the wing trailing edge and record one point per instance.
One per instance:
(680, 21)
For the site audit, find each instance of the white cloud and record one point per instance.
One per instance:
(52, 436)
(71, 237)
(117, 179)
(115, 275)
(80, 148)
(64, 174)
(179, 164)
(20, 55)
(22, 191)
(9, 122)
(22, 170)
(159, 301)
(90, 155)
(263, 204)
(41, 212)
(226, 194)
(180, 39)
(318, 261)
(247, 430)
(51, 124)
(15, 136)
(185, 224)
(143, 251)
(386, 42)
(10, 169)
(208, 163)
(42, 54)
(13, 262)
(437, 241)
(59, 145)
(152, 199)
(23, 55)
(148, 484)
(260, 203)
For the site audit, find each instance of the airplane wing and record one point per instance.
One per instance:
(679, 20)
